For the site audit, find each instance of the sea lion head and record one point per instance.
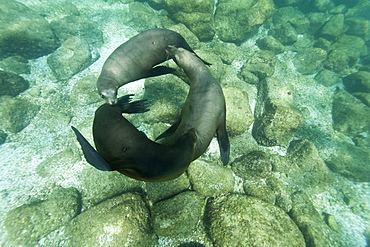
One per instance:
(181, 56)
(109, 95)
(107, 89)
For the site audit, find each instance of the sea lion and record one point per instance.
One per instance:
(123, 148)
(204, 109)
(135, 59)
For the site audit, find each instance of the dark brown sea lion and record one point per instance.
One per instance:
(204, 109)
(121, 147)
(135, 59)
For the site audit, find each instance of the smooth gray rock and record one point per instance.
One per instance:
(12, 84)
(15, 64)
(236, 20)
(240, 220)
(314, 229)
(357, 82)
(276, 117)
(179, 215)
(16, 113)
(27, 224)
(23, 32)
(120, 221)
(72, 57)
(210, 180)
(309, 61)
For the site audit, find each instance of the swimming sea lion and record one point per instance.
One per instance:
(121, 147)
(204, 109)
(135, 59)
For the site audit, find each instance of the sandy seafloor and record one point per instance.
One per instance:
(43, 138)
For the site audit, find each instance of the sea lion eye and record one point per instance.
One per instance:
(124, 149)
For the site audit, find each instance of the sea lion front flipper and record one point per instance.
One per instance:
(224, 144)
(91, 155)
(159, 70)
(126, 106)
(169, 131)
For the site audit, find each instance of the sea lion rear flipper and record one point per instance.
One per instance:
(159, 70)
(169, 131)
(91, 155)
(224, 144)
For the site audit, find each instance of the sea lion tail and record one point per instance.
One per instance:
(91, 155)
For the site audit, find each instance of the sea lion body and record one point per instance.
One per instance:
(204, 109)
(128, 150)
(135, 59)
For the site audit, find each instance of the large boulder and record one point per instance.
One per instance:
(27, 224)
(120, 221)
(236, 20)
(197, 15)
(24, 32)
(239, 220)
(276, 117)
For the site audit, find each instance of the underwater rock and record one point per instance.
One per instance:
(281, 3)
(23, 32)
(120, 221)
(164, 190)
(282, 193)
(317, 20)
(165, 95)
(350, 161)
(97, 186)
(255, 164)
(269, 190)
(72, 57)
(322, 43)
(269, 43)
(337, 61)
(249, 77)
(188, 35)
(327, 78)
(179, 215)
(358, 26)
(15, 64)
(12, 84)
(142, 17)
(197, 15)
(226, 51)
(3, 137)
(16, 114)
(285, 33)
(309, 221)
(262, 64)
(260, 190)
(357, 82)
(285, 15)
(76, 26)
(27, 224)
(350, 116)
(239, 220)
(364, 97)
(333, 28)
(239, 115)
(309, 61)
(236, 20)
(276, 118)
(209, 179)
(84, 91)
(304, 168)
(352, 46)
(58, 164)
